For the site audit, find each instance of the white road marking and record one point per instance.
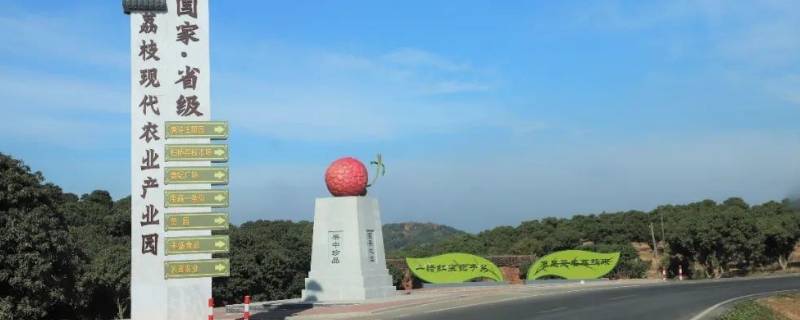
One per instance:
(552, 310)
(621, 297)
(707, 311)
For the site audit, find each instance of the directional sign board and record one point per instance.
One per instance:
(196, 198)
(197, 152)
(197, 244)
(197, 268)
(196, 221)
(189, 175)
(216, 130)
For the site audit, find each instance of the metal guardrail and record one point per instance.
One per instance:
(144, 5)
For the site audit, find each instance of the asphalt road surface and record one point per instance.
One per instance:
(668, 301)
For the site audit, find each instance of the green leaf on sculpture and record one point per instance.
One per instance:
(574, 265)
(453, 268)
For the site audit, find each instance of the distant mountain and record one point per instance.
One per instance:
(399, 236)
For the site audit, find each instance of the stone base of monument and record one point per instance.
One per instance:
(347, 257)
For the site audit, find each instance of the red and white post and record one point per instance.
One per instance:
(680, 272)
(664, 274)
(246, 307)
(210, 308)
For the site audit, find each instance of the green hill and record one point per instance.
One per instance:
(400, 236)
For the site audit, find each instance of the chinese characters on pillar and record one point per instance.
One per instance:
(335, 246)
(149, 83)
(371, 245)
(188, 104)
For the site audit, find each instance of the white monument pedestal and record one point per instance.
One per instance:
(347, 257)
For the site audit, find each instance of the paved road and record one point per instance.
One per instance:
(668, 301)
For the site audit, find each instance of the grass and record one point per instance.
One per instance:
(751, 310)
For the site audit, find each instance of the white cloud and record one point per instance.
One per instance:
(65, 131)
(334, 96)
(44, 37)
(27, 89)
(416, 58)
(755, 43)
(447, 87)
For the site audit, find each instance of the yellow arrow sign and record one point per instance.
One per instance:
(196, 198)
(178, 269)
(196, 175)
(219, 174)
(219, 198)
(196, 221)
(196, 152)
(215, 130)
(196, 244)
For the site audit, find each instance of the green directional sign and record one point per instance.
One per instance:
(197, 129)
(197, 152)
(197, 268)
(217, 198)
(188, 175)
(453, 268)
(574, 264)
(197, 244)
(196, 221)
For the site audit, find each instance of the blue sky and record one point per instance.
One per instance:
(486, 113)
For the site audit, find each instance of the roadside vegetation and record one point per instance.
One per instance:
(777, 307)
(64, 256)
(751, 310)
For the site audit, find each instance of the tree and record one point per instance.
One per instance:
(269, 260)
(715, 236)
(37, 255)
(780, 226)
(101, 229)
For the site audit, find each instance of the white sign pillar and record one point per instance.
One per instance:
(170, 80)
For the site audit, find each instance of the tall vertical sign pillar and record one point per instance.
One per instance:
(171, 210)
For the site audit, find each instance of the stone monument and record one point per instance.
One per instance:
(176, 170)
(347, 257)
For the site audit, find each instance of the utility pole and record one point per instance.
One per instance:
(663, 238)
(653, 235)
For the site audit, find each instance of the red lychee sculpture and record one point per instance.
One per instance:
(347, 177)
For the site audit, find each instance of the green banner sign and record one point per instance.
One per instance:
(574, 264)
(196, 221)
(196, 198)
(453, 268)
(197, 152)
(197, 129)
(197, 268)
(188, 175)
(197, 244)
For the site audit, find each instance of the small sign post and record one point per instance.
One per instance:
(196, 221)
(197, 129)
(217, 198)
(195, 175)
(197, 268)
(202, 244)
(197, 152)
